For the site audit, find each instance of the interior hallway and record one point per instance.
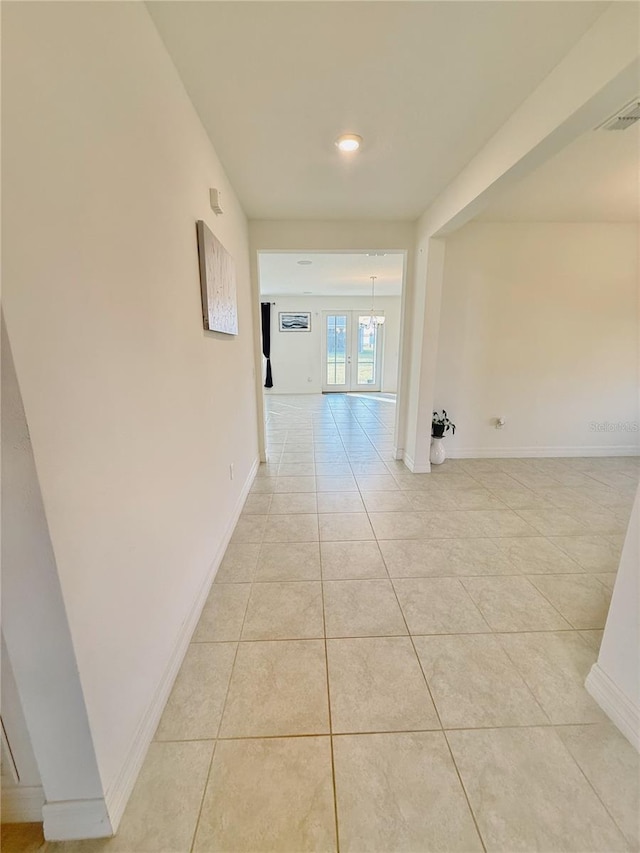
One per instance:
(395, 662)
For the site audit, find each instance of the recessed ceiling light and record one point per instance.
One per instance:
(349, 142)
(305, 263)
(307, 292)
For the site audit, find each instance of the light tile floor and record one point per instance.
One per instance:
(395, 662)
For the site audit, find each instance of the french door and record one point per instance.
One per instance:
(352, 352)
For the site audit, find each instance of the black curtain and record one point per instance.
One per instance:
(266, 341)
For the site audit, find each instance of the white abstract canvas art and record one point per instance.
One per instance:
(217, 283)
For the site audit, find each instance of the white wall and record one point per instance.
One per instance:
(297, 358)
(597, 75)
(43, 707)
(614, 680)
(539, 325)
(135, 413)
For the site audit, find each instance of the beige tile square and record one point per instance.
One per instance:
(505, 522)
(257, 504)
(292, 528)
(535, 480)
(376, 483)
(340, 502)
(607, 578)
(249, 530)
(294, 484)
(288, 561)
(362, 608)
(521, 498)
(414, 482)
(474, 683)
(337, 484)
(582, 599)
(369, 468)
(238, 564)
(223, 613)
(612, 766)
(527, 793)
(293, 503)
(376, 685)
(267, 471)
(600, 520)
(535, 555)
(443, 557)
(552, 522)
(513, 604)
(296, 469)
(163, 810)
(555, 666)
(434, 500)
(450, 479)
(269, 795)
(397, 525)
(333, 469)
(292, 456)
(351, 561)
(400, 792)
(341, 527)
(592, 638)
(263, 485)
(330, 455)
(495, 480)
(593, 553)
(284, 611)
(386, 501)
(476, 498)
(195, 704)
(277, 688)
(438, 606)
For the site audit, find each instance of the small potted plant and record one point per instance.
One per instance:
(440, 424)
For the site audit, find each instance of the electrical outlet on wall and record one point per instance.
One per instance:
(231, 471)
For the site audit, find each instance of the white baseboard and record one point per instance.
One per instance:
(622, 712)
(76, 819)
(119, 792)
(413, 467)
(541, 452)
(22, 804)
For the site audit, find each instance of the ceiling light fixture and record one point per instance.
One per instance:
(349, 142)
(305, 263)
(370, 323)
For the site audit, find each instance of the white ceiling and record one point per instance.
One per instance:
(425, 83)
(329, 274)
(594, 179)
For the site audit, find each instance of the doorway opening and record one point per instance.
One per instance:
(328, 337)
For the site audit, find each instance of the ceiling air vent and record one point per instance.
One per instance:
(624, 118)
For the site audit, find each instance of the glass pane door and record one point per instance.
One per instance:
(367, 345)
(337, 356)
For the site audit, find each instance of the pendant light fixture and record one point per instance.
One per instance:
(374, 319)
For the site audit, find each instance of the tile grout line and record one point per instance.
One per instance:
(437, 712)
(224, 705)
(326, 661)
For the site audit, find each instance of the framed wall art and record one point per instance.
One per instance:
(217, 283)
(295, 321)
